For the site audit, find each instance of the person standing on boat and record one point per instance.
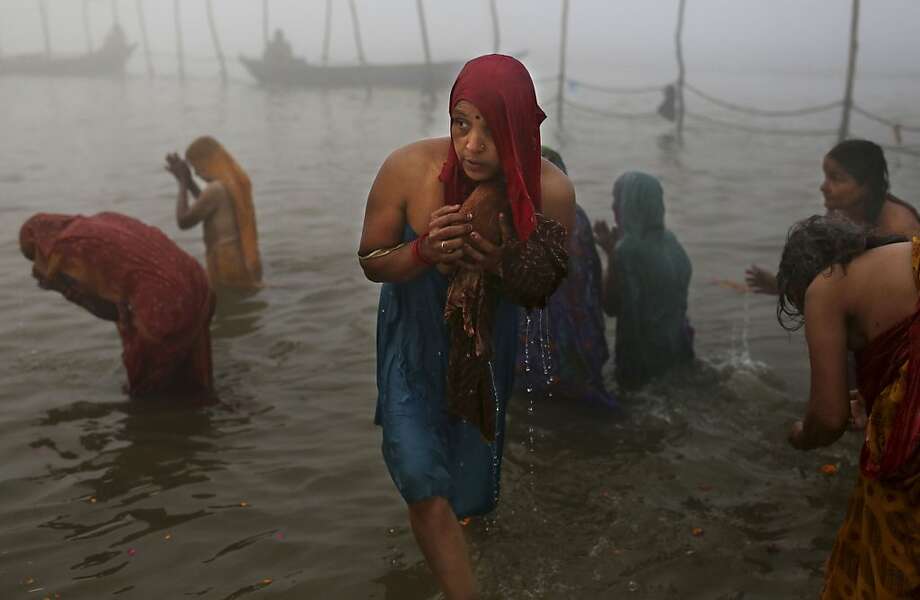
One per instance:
(414, 239)
(278, 50)
(225, 209)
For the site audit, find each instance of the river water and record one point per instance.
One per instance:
(279, 491)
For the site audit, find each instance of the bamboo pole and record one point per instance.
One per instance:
(357, 29)
(265, 22)
(116, 17)
(679, 92)
(424, 26)
(43, 9)
(87, 30)
(496, 32)
(844, 131)
(327, 33)
(180, 50)
(560, 90)
(216, 39)
(142, 23)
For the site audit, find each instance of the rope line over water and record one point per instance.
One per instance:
(762, 112)
(764, 130)
(610, 113)
(575, 83)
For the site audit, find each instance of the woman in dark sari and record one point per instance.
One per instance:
(565, 356)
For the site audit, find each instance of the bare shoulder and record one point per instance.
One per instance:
(898, 218)
(214, 192)
(416, 160)
(558, 194)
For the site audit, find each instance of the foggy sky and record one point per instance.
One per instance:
(795, 36)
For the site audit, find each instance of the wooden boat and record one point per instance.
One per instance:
(108, 60)
(298, 72)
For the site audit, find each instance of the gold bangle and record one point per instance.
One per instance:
(380, 252)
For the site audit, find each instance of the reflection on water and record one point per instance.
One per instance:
(237, 314)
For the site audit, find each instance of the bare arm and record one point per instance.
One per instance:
(206, 203)
(385, 219)
(825, 331)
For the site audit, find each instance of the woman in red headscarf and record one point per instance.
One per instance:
(122, 270)
(443, 385)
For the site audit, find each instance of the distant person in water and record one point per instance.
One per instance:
(122, 270)
(857, 291)
(278, 49)
(856, 187)
(115, 39)
(646, 285)
(443, 440)
(226, 210)
(568, 361)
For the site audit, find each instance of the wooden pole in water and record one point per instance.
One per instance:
(327, 33)
(496, 40)
(87, 30)
(265, 22)
(560, 90)
(679, 92)
(180, 51)
(116, 18)
(216, 39)
(142, 22)
(357, 28)
(844, 131)
(421, 19)
(44, 14)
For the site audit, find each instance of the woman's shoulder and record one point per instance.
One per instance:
(427, 151)
(898, 218)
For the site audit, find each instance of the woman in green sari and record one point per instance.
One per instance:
(646, 283)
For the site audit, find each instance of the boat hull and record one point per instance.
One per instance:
(297, 72)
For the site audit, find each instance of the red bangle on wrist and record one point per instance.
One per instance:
(417, 250)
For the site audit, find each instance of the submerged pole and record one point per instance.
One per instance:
(180, 51)
(844, 131)
(357, 28)
(142, 22)
(87, 30)
(216, 39)
(679, 92)
(327, 32)
(43, 9)
(560, 90)
(116, 18)
(265, 22)
(496, 39)
(421, 20)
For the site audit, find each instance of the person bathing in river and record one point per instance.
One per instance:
(646, 284)
(577, 344)
(124, 271)
(855, 186)
(860, 292)
(417, 240)
(224, 207)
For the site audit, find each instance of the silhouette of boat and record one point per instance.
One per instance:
(298, 72)
(108, 60)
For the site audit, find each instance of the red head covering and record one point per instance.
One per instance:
(501, 89)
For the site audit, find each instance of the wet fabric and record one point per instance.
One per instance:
(501, 88)
(160, 295)
(564, 347)
(877, 550)
(428, 451)
(653, 274)
(533, 264)
(209, 158)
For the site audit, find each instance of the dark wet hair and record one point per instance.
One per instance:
(813, 246)
(865, 162)
(553, 157)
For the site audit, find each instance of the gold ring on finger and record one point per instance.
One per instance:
(442, 245)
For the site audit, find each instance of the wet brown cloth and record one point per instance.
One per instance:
(531, 272)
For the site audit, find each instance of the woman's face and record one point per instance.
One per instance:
(473, 142)
(840, 189)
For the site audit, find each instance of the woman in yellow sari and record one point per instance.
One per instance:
(859, 292)
(224, 207)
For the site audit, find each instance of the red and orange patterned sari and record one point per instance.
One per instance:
(877, 552)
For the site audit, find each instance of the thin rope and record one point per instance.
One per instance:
(761, 111)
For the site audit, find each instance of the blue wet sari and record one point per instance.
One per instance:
(428, 452)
